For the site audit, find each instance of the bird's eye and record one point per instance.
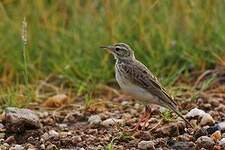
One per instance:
(117, 49)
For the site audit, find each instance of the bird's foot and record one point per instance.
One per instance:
(143, 121)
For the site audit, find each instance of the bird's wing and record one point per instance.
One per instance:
(141, 76)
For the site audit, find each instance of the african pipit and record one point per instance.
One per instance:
(135, 79)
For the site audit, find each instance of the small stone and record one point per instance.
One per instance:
(216, 136)
(204, 142)
(126, 116)
(222, 126)
(16, 147)
(222, 142)
(10, 140)
(217, 147)
(29, 146)
(220, 108)
(45, 136)
(195, 113)
(170, 130)
(76, 139)
(42, 114)
(2, 147)
(95, 119)
(137, 106)
(213, 128)
(133, 112)
(207, 120)
(183, 145)
(214, 102)
(200, 132)
(2, 127)
(184, 137)
(6, 144)
(18, 120)
(207, 106)
(63, 126)
(146, 145)
(112, 121)
(42, 146)
(53, 133)
(125, 103)
(2, 135)
(51, 146)
(143, 135)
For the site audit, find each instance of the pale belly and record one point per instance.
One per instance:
(136, 91)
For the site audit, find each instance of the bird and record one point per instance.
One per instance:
(135, 79)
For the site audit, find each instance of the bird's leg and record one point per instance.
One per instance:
(148, 114)
(144, 118)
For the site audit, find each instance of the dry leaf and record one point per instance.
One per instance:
(56, 101)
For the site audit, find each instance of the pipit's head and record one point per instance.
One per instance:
(120, 51)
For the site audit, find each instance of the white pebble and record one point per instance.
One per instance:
(146, 145)
(125, 103)
(195, 113)
(222, 142)
(94, 119)
(53, 133)
(222, 125)
(207, 120)
(112, 121)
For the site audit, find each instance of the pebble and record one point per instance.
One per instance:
(95, 119)
(171, 130)
(17, 147)
(76, 139)
(220, 108)
(185, 137)
(216, 136)
(200, 132)
(146, 145)
(137, 106)
(53, 133)
(204, 142)
(62, 125)
(214, 102)
(11, 139)
(4, 146)
(222, 126)
(2, 135)
(207, 120)
(125, 103)
(51, 146)
(126, 116)
(222, 142)
(195, 113)
(112, 121)
(213, 128)
(143, 135)
(42, 146)
(18, 120)
(45, 136)
(183, 145)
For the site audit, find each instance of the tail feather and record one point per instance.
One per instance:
(179, 114)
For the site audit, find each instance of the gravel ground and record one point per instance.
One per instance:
(108, 124)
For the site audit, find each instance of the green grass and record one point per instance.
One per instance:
(169, 36)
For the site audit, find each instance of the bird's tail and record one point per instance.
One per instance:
(179, 114)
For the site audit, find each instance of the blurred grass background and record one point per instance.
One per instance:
(169, 36)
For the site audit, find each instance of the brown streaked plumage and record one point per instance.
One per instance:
(135, 79)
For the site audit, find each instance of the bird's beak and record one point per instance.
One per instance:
(109, 48)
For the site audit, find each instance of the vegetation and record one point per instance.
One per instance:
(63, 38)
